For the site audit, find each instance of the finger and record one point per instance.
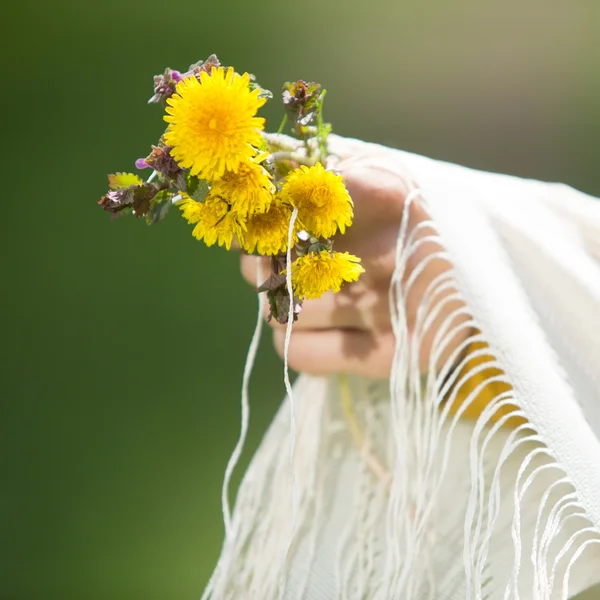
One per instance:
(347, 149)
(365, 296)
(376, 249)
(254, 266)
(338, 351)
(355, 307)
(378, 188)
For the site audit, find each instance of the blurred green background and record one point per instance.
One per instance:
(123, 345)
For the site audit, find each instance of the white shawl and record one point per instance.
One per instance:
(392, 496)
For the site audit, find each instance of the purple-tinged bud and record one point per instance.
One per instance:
(141, 163)
(164, 85)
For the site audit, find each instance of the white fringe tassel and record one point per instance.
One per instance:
(395, 494)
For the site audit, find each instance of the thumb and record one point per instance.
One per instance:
(378, 186)
(343, 149)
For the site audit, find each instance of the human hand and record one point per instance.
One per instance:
(351, 332)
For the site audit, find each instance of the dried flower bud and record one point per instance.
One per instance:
(203, 66)
(301, 99)
(279, 305)
(160, 160)
(277, 293)
(164, 85)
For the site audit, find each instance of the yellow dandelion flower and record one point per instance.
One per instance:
(323, 203)
(314, 274)
(212, 122)
(249, 191)
(267, 232)
(215, 221)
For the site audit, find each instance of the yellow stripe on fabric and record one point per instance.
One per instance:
(490, 391)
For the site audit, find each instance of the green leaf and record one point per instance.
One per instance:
(121, 181)
(197, 189)
(159, 207)
(143, 194)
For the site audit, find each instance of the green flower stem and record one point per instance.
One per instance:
(295, 157)
(321, 130)
(283, 123)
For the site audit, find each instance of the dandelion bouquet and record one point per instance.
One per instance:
(267, 194)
